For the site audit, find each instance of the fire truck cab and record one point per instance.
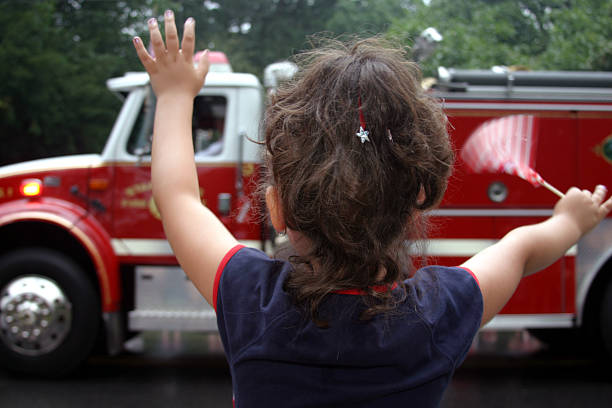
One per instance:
(84, 261)
(83, 258)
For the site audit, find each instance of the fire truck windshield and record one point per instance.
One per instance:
(208, 126)
(139, 142)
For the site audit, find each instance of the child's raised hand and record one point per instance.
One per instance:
(172, 70)
(584, 208)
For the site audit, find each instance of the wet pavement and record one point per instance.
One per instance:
(506, 369)
(516, 370)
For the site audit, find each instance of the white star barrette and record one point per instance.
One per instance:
(363, 135)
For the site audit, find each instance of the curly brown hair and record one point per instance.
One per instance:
(356, 203)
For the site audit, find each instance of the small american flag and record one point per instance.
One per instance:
(507, 145)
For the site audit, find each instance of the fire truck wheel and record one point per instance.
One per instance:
(559, 339)
(49, 313)
(605, 322)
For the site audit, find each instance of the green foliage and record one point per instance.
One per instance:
(53, 98)
(539, 34)
(57, 54)
(255, 33)
(581, 37)
(366, 17)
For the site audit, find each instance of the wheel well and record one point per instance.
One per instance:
(40, 234)
(591, 312)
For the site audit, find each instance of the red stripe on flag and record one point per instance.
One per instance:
(504, 144)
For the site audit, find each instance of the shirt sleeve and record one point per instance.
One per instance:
(220, 269)
(248, 289)
(453, 306)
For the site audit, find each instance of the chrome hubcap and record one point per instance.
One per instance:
(35, 315)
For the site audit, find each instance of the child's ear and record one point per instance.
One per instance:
(421, 197)
(276, 211)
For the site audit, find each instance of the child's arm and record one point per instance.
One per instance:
(528, 249)
(198, 238)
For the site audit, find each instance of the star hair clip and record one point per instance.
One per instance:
(363, 133)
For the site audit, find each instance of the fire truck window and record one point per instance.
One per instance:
(208, 125)
(139, 142)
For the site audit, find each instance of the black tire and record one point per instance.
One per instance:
(566, 340)
(605, 320)
(78, 336)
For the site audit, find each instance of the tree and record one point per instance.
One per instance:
(56, 58)
(366, 17)
(255, 33)
(580, 37)
(540, 34)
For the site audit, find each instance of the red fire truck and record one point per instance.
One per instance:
(84, 261)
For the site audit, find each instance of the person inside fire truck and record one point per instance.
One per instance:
(209, 123)
(356, 154)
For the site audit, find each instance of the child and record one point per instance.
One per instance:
(356, 152)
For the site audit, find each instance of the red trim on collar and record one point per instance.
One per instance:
(220, 268)
(378, 288)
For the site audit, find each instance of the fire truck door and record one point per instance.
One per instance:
(216, 145)
(136, 217)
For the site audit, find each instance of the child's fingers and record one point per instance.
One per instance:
(606, 207)
(599, 194)
(188, 44)
(156, 40)
(147, 61)
(172, 42)
(572, 190)
(203, 64)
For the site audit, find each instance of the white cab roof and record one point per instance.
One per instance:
(136, 79)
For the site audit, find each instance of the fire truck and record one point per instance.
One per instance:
(84, 261)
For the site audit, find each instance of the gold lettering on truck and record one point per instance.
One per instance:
(132, 201)
(138, 188)
(153, 209)
(248, 169)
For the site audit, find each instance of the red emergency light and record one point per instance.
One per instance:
(30, 187)
(218, 61)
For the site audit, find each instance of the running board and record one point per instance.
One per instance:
(531, 321)
(200, 321)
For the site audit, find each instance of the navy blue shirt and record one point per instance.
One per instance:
(278, 357)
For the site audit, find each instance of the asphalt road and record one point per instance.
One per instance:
(178, 370)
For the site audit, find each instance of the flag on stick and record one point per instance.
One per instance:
(505, 145)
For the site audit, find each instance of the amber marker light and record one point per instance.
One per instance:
(98, 184)
(31, 187)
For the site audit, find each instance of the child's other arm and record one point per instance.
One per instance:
(528, 249)
(198, 239)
